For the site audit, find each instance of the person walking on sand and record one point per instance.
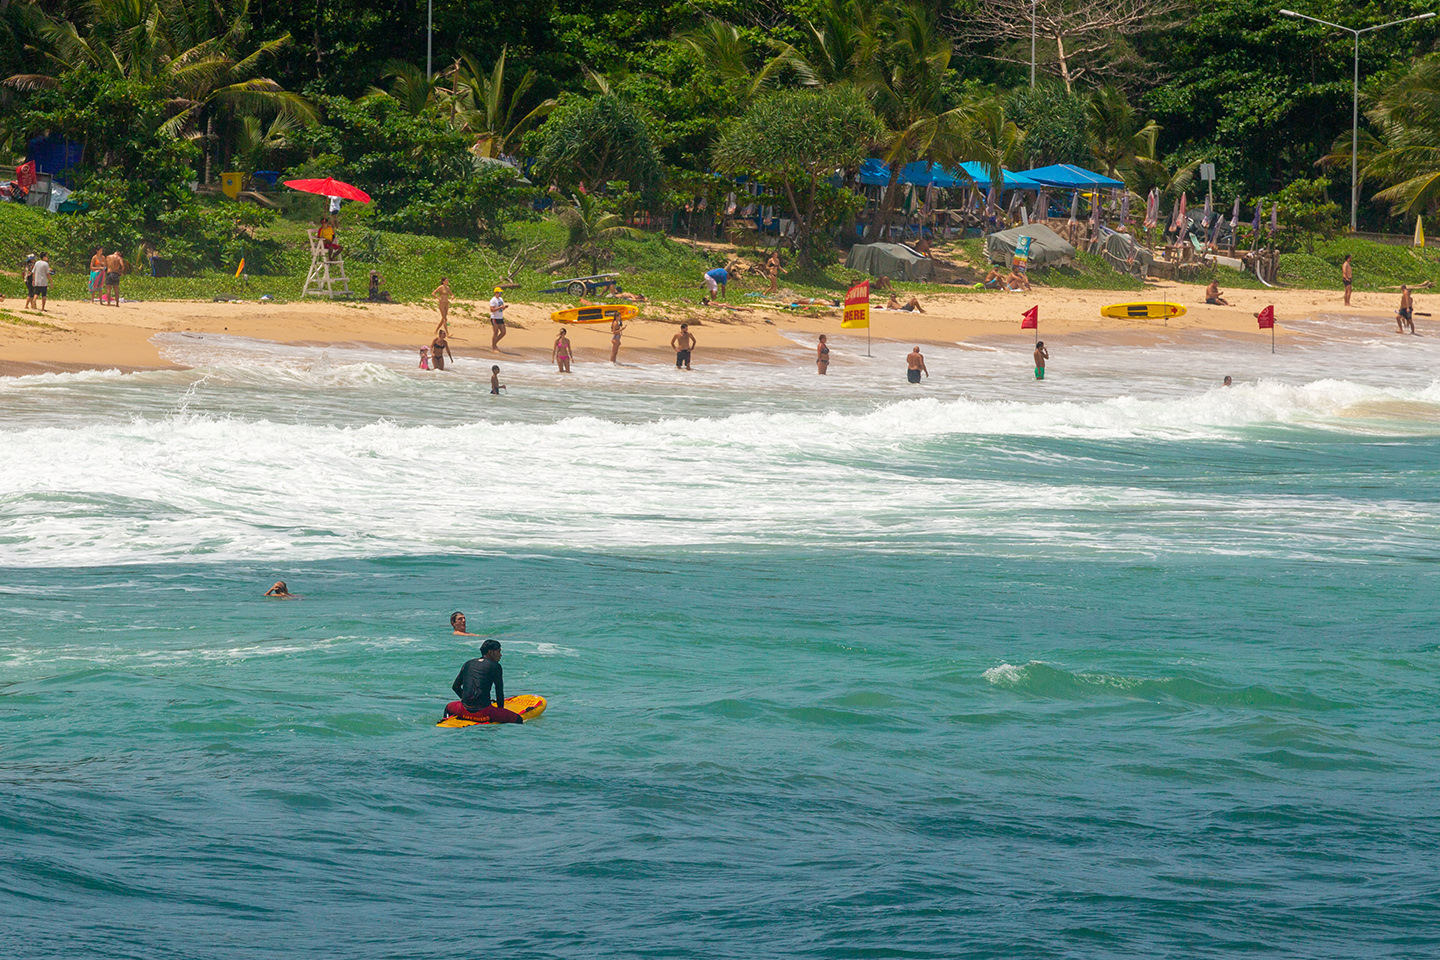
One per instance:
(683, 342)
(560, 353)
(114, 267)
(97, 274)
(439, 350)
(915, 365)
(30, 282)
(42, 279)
(1347, 274)
(497, 320)
(1403, 317)
(617, 326)
(442, 302)
(1041, 355)
(822, 356)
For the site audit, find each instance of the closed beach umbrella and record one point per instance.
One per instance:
(992, 201)
(1274, 217)
(1152, 208)
(1179, 223)
(1235, 214)
(1095, 210)
(1215, 230)
(1256, 225)
(1125, 208)
(1209, 208)
(1042, 203)
(1074, 204)
(330, 187)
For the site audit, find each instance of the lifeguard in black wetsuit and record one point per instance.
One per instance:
(473, 685)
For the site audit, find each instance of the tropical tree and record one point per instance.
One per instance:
(487, 111)
(591, 230)
(197, 57)
(1120, 138)
(908, 93)
(416, 93)
(1403, 151)
(795, 140)
(588, 142)
(723, 49)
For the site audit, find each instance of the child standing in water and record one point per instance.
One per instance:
(495, 385)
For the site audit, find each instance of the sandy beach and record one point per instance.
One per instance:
(77, 335)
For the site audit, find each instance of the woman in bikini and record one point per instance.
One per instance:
(616, 326)
(822, 355)
(561, 352)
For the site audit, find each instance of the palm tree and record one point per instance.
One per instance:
(591, 228)
(908, 93)
(416, 93)
(200, 62)
(1118, 139)
(722, 48)
(492, 115)
(1403, 153)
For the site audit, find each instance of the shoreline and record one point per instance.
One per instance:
(77, 336)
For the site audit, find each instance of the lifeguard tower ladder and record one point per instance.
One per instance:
(327, 275)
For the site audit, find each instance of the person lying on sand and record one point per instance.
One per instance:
(910, 306)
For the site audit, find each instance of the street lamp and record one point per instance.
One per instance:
(429, 36)
(1355, 108)
(1032, 43)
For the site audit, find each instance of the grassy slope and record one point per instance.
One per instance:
(659, 267)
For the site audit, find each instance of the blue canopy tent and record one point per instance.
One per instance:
(1070, 177)
(876, 173)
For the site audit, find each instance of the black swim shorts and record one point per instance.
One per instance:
(682, 358)
(913, 375)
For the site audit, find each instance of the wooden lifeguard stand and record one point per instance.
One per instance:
(327, 274)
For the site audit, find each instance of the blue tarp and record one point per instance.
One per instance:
(876, 173)
(1068, 176)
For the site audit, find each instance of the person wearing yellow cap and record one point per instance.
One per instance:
(497, 320)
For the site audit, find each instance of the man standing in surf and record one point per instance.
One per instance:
(915, 365)
(1347, 274)
(683, 342)
(1406, 314)
(1041, 355)
(473, 685)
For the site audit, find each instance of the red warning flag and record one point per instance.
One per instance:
(1266, 318)
(25, 175)
(1032, 319)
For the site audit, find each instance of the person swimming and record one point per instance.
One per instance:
(281, 592)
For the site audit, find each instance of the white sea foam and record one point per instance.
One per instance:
(268, 453)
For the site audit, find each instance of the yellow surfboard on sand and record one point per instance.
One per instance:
(527, 705)
(1143, 311)
(599, 314)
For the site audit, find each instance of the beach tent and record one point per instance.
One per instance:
(1070, 176)
(1047, 248)
(1125, 255)
(981, 177)
(876, 173)
(890, 260)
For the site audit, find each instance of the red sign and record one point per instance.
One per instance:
(1266, 318)
(25, 175)
(1032, 319)
(857, 307)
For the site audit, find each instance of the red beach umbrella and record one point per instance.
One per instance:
(329, 187)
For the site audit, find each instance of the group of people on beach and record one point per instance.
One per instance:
(105, 273)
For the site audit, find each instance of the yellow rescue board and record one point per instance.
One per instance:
(527, 705)
(605, 314)
(1143, 311)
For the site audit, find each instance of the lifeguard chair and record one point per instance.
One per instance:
(327, 271)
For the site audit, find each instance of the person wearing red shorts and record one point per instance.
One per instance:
(473, 685)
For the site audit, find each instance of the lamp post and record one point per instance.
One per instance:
(429, 36)
(1355, 107)
(1032, 43)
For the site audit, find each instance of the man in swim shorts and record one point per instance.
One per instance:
(1212, 295)
(473, 684)
(715, 280)
(1347, 274)
(915, 365)
(1403, 317)
(42, 280)
(683, 342)
(114, 267)
(497, 319)
(1041, 355)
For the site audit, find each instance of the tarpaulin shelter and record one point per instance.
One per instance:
(1125, 255)
(891, 260)
(1047, 248)
(1070, 176)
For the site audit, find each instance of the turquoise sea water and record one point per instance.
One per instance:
(1118, 665)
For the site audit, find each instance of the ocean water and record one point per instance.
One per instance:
(1122, 664)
